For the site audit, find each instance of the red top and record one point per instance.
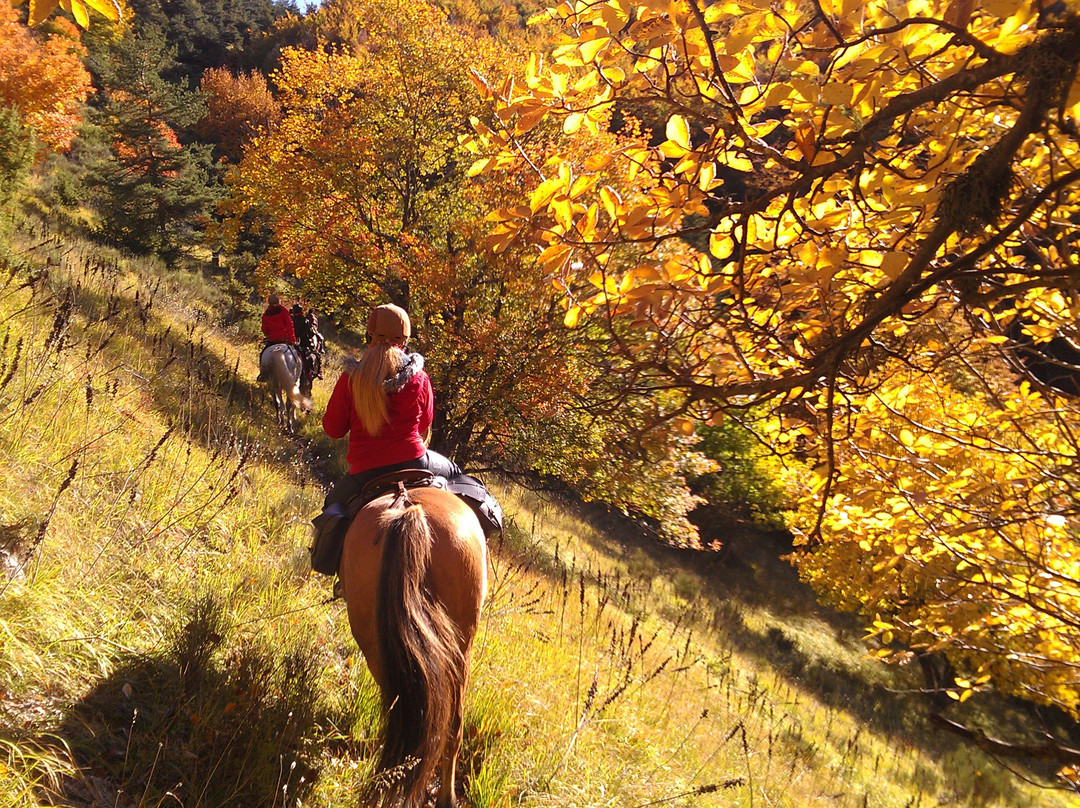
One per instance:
(277, 325)
(410, 411)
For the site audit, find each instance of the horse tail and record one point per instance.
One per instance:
(423, 664)
(299, 400)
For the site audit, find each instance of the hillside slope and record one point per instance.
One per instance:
(164, 643)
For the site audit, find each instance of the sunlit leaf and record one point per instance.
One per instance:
(678, 131)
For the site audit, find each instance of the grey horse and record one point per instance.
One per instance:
(282, 368)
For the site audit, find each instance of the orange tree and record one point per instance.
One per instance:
(237, 107)
(859, 213)
(363, 184)
(43, 78)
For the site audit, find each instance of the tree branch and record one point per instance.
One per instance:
(1053, 751)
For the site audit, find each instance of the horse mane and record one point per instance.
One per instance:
(423, 663)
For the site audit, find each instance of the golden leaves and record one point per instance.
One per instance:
(935, 492)
(836, 94)
(678, 131)
(813, 175)
(40, 9)
(478, 166)
(804, 139)
(609, 197)
(893, 263)
(591, 48)
(721, 245)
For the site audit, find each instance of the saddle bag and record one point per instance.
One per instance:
(477, 497)
(328, 538)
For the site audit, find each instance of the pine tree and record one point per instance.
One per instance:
(212, 33)
(152, 189)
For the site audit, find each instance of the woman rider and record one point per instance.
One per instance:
(385, 405)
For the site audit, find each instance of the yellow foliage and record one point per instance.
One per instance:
(40, 9)
(859, 221)
(936, 521)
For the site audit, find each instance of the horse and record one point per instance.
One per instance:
(283, 370)
(414, 576)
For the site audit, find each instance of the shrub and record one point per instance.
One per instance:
(748, 483)
(17, 148)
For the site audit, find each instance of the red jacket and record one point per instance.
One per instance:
(277, 325)
(410, 412)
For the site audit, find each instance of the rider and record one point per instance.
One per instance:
(277, 328)
(296, 314)
(277, 325)
(316, 341)
(385, 404)
(308, 340)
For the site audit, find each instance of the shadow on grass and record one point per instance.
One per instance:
(749, 576)
(199, 726)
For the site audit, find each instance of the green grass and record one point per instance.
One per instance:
(166, 644)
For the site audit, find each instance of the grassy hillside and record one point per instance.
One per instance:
(162, 642)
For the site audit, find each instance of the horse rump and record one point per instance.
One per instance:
(281, 365)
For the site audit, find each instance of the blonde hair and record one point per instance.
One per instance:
(380, 361)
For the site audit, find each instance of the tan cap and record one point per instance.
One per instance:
(389, 323)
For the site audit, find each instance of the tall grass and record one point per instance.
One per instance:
(640, 689)
(153, 643)
(162, 643)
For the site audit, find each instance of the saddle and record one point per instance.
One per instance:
(467, 488)
(393, 481)
(282, 347)
(331, 524)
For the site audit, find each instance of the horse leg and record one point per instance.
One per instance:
(447, 796)
(282, 407)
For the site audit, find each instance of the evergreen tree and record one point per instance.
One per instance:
(152, 189)
(211, 33)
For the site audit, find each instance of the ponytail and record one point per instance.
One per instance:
(380, 361)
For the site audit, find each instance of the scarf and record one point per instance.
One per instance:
(394, 383)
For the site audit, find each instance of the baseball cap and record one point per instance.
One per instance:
(389, 323)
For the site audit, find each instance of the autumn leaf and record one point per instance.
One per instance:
(678, 131)
(41, 9)
(881, 243)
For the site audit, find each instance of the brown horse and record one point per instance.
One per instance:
(414, 576)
